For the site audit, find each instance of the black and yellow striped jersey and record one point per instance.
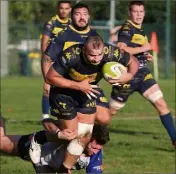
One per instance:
(72, 65)
(67, 38)
(55, 25)
(133, 36)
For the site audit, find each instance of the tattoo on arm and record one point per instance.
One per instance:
(46, 59)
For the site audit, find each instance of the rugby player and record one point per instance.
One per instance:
(73, 77)
(76, 33)
(51, 29)
(133, 40)
(52, 153)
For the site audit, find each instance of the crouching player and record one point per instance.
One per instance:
(53, 153)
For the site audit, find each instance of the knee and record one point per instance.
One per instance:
(115, 106)
(161, 106)
(103, 117)
(105, 120)
(46, 93)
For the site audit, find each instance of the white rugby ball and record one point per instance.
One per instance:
(112, 69)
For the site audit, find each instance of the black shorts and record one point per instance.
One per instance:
(142, 81)
(23, 147)
(101, 99)
(66, 103)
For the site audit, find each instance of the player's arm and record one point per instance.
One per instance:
(54, 132)
(124, 37)
(132, 65)
(44, 42)
(55, 76)
(46, 60)
(46, 35)
(144, 48)
(115, 30)
(46, 63)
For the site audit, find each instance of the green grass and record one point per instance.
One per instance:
(137, 145)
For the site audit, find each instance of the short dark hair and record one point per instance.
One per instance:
(136, 3)
(100, 134)
(59, 2)
(95, 41)
(79, 5)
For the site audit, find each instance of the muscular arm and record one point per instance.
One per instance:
(136, 50)
(55, 79)
(133, 65)
(50, 125)
(46, 63)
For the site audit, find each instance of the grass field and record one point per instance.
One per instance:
(139, 143)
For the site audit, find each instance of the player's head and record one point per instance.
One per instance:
(100, 136)
(64, 9)
(93, 49)
(137, 12)
(80, 15)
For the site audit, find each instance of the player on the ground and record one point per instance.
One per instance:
(133, 40)
(51, 29)
(91, 159)
(73, 77)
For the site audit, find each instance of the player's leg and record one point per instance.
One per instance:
(8, 144)
(103, 115)
(151, 91)
(45, 101)
(84, 111)
(2, 126)
(119, 96)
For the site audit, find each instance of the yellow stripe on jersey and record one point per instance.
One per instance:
(69, 44)
(80, 77)
(139, 39)
(62, 20)
(56, 30)
(135, 25)
(80, 32)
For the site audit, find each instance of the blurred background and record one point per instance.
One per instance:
(22, 24)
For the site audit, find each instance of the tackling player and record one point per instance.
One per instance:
(133, 40)
(51, 29)
(73, 76)
(91, 159)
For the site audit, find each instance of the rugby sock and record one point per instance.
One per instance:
(45, 105)
(168, 123)
(40, 137)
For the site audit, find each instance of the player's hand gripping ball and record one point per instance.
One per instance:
(112, 69)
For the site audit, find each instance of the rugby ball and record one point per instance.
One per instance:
(112, 69)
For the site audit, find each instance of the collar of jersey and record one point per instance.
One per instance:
(137, 26)
(81, 32)
(62, 20)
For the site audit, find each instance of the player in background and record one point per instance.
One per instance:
(113, 37)
(132, 39)
(91, 159)
(51, 29)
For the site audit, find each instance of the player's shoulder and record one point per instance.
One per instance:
(126, 26)
(52, 20)
(111, 49)
(93, 32)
